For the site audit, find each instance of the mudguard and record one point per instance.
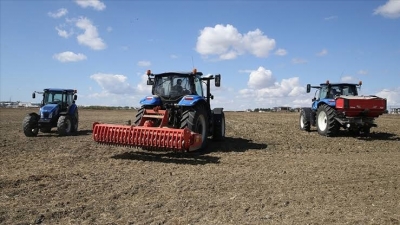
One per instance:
(190, 100)
(328, 101)
(217, 111)
(151, 100)
(72, 109)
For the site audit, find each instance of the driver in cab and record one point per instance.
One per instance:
(178, 86)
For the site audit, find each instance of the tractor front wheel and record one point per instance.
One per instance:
(75, 120)
(326, 123)
(139, 115)
(219, 127)
(30, 125)
(197, 121)
(64, 125)
(304, 121)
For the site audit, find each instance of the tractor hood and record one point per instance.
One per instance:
(48, 109)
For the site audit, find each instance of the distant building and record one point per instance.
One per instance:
(282, 109)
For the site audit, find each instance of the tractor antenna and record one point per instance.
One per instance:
(341, 75)
(192, 63)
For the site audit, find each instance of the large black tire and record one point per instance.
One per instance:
(304, 120)
(326, 123)
(139, 115)
(30, 125)
(219, 127)
(75, 121)
(196, 120)
(64, 125)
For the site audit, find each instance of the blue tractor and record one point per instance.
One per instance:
(338, 105)
(58, 109)
(177, 116)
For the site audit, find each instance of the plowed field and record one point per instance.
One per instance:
(267, 171)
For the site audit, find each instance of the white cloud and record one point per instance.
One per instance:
(228, 43)
(95, 4)
(60, 13)
(363, 72)
(331, 18)
(349, 79)
(281, 52)
(263, 90)
(392, 96)
(173, 56)
(109, 29)
(261, 78)
(323, 52)
(69, 57)
(64, 33)
(391, 9)
(113, 83)
(144, 63)
(117, 84)
(90, 37)
(299, 61)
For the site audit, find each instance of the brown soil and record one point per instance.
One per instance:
(266, 172)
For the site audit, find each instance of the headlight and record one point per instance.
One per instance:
(50, 115)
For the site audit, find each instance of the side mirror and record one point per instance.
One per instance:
(33, 95)
(308, 88)
(217, 80)
(75, 97)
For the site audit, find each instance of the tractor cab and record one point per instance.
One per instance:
(181, 88)
(332, 90)
(173, 86)
(61, 97)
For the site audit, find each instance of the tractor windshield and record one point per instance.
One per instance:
(52, 97)
(337, 90)
(173, 86)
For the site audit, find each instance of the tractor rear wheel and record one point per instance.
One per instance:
(219, 127)
(197, 121)
(30, 125)
(304, 121)
(326, 123)
(64, 125)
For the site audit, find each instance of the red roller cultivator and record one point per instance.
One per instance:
(176, 117)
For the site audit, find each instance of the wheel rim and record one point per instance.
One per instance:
(301, 121)
(322, 121)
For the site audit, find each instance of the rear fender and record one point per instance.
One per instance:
(151, 100)
(328, 101)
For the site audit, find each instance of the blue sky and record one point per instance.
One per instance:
(266, 51)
